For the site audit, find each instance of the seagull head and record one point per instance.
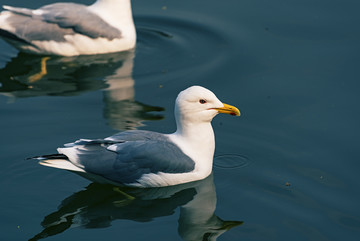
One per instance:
(197, 104)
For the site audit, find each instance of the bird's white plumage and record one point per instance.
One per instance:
(195, 107)
(117, 14)
(61, 164)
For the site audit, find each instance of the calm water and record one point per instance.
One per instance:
(287, 169)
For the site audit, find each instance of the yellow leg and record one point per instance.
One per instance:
(124, 202)
(42, 73)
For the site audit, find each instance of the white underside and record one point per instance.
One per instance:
(78, 45)
(147, 180)
(167, 179)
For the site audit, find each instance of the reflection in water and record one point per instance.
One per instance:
(98, 205)
(30, 76)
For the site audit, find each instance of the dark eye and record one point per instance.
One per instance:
(202, 101)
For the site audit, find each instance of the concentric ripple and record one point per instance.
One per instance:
(232, 161)
(178, 46)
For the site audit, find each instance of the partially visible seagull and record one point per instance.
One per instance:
(70, 29)
(141, 158)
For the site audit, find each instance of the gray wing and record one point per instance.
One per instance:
(137, 135)
(57, 20)
(127, 161)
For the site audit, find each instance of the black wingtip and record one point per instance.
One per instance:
(48, 157)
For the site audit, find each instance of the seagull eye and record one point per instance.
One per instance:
(202, 101)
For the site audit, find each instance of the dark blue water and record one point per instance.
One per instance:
(287, 169)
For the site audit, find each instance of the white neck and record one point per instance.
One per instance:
(116, 12)
(198, 142)
(120, 6)
(113, 2)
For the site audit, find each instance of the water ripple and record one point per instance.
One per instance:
(179, 47)
(232, 161)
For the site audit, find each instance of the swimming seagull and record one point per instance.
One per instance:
(142, 158)
(70, 29)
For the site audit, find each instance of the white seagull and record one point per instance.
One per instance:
(70, 29)
(141, 158)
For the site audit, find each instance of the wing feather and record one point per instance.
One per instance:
(134, 154)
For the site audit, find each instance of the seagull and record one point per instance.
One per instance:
(140, 158)
(70, 29)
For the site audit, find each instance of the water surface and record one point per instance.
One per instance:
(285, 170)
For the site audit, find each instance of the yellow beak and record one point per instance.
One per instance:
(228, 109)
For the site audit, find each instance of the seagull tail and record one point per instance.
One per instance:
(57, 161)
(22, 11)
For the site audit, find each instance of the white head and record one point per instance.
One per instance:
(197, 104)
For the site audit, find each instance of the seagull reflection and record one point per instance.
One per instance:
(31, 76)
(98, 205)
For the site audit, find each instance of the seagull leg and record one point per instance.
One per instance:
(38, 76)
(124, 202)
